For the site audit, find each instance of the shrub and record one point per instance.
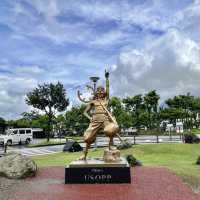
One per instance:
(133, 161)
(191, 138)
(198, 161)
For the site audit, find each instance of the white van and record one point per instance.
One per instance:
(17, 136)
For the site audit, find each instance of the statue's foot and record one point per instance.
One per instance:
(112, 148)
(83, 157)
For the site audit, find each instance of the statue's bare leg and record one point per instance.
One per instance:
(110, 143)
(86, 149)
(83, 157)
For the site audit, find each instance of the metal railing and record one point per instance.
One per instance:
(137, 139)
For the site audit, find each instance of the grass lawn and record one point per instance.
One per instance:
(179, 158)
(195, 131)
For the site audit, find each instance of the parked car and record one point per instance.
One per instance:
(17, 136)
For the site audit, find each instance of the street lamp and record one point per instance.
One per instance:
(94, 79)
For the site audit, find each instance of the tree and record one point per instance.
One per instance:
(115, 105)
(187, 104)
(50, 98)
(75, 120)
(172, 114)
(2, 125)
(134, 106)
(29, 116)
(123, 117)
(41, 122)
(151, 103)
(195, 111)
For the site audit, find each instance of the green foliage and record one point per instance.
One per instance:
(2, 125)
(134, 106)
(137, 111)
(75, 120)
(151, 104)
(2, 121)
(40, 122)
(151, 101)
(29, 116)
(172, 114)
(19, 123)
(48, 98)
(181, 101)
(123, 117)
(186, 107)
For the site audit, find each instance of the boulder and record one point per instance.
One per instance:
(124, 145)
(17, 166)
(132, 161)
(72, 146)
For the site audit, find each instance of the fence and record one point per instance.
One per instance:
(138, 139)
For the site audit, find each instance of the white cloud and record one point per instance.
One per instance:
(171, 65)
(16, 82)
(125, 14)
(109, 38)
(90, 36)
(189, 20)
(12, 91)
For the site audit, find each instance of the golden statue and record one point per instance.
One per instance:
(99, 116)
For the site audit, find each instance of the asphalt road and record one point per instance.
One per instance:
(101, 142)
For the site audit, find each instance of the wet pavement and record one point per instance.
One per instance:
(148, 183)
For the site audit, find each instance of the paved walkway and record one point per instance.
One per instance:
(147, 184)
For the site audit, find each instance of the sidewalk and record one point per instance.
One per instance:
(148, 183)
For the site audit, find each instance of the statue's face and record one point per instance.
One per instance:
(100, 93)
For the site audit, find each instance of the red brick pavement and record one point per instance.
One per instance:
(147, 184)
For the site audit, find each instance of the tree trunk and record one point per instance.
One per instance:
(137, 122)
(49, 127)
(149, 116)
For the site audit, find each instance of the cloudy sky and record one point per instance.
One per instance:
(146, 44)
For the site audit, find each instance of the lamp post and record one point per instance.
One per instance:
(94, 79)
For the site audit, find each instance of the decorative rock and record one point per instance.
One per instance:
(112, 155)
(124, 145)
(17, 166)
(133, 161)
(198, 161)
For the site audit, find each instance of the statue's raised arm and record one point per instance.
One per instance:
(107, 84)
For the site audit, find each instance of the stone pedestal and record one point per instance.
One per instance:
(96, 170)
